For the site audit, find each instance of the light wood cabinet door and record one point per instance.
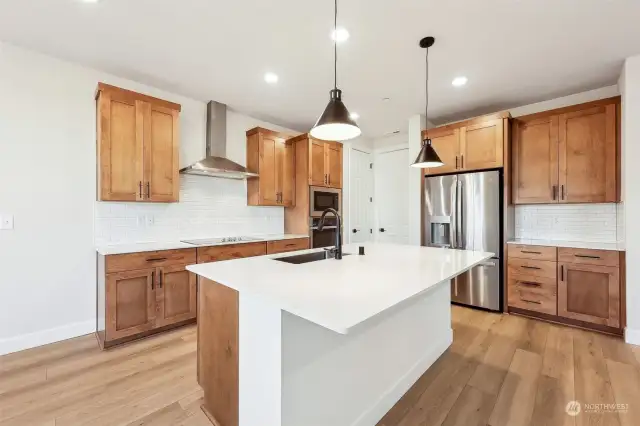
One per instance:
(176, 295)
(130, 303)
(269, 170)
(447, 146)
(317, 168)
(587, 155)
(334, 164)
(287, 188)
(589, 293)
(481, 145)
(535, 161)
(161, 162)
(120, 147)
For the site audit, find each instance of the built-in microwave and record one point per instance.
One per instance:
(321, 198)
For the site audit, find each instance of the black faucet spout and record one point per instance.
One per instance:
(338, 248)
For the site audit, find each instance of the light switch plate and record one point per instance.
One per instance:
(6, 222)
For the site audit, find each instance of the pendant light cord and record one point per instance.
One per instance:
(426, 109)
(335, 45)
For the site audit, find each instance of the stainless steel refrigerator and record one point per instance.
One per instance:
(463, 212)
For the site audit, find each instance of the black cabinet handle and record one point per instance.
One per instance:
(148, 190)
(529, 267)
(530, 252)
(462, 161)
(382, 230)
(355, 231)
(562, 191)
(531, 301)
(587, 256)
(561, 272)
(456, 162)
(160, 280)
(555, 191)
(530, 283)
(140, 188)
(153, 280)
(156, 259)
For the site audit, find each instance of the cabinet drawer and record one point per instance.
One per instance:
(532, 252)
(532, 268)
(149, 259)
(589, 257)
(283, 246)
(533, 293)
(233, 251)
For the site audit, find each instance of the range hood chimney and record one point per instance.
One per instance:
(216, 163)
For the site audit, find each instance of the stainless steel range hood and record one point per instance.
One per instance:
(216, 163)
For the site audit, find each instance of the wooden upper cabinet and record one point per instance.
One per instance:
(535, 161)
(568, 155)
(131, 303)
(176, 295)
(481, 145)
(587, 155)
(334, 164)
(589, 293)
(273, 159)
(138, 145)
(317, 163)
(475, 144)
(446, 144)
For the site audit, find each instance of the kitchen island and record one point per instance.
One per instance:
(328, 342)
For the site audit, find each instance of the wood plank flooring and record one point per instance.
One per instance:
(500, 370)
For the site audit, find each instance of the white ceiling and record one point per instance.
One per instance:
(514, 52)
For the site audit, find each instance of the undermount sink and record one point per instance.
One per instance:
(308, 257)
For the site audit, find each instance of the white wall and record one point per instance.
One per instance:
(630, 89)
(48, 183)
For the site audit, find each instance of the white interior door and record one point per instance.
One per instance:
(391, 199)
(361, 188)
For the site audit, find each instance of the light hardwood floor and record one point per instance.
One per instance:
(500, 370)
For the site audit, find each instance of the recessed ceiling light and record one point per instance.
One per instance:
(271, 78)
(386, 99)
(354, 115)
(340, 35)
(459, 81)
(90, 1)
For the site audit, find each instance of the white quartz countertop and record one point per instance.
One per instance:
(339, 294)
(569, 244)
(172, 245)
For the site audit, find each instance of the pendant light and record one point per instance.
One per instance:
(428, 156)
(335, 123)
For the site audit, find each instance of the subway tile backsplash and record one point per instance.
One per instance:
(570, 222)
(208, 207)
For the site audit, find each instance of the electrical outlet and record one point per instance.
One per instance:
(149, 220)
(6, 222)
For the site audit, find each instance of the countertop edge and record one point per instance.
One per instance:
(587, 245)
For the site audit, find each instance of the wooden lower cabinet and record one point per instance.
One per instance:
(130, 303)
(589, 293)
(583, 288)
(176, 295)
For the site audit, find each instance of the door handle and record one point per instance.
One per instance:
(530, 252)
(153, 280)
(355, 231)
(382, 230)
(562, 191)
(462, 161)
(587, 256)
(148, 190)
(140, 188)
(456, 162)
(561, 272)
(531, 301)
(160, 279)
(530, 283)
(554, 192)
(329, 178)
(529, 267)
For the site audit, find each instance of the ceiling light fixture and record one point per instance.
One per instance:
(459, 81)
(90, 1)
(335, 123)
(354, 116)
(340, 35)
(271, 78)
(427, 156)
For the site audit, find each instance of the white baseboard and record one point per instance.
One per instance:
(44, 337)
(375, 413)
(632, 336)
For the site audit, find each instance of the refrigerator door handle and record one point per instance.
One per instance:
(452, 224)
(459, 195)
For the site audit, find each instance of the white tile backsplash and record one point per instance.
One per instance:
(570, 222)
(208, 207)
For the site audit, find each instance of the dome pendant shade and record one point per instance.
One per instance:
(335, 123)
(428, 157)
